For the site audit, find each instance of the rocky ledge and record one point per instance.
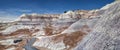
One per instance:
(73, 30)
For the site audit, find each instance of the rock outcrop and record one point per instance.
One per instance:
(72, 30)
(105, 34)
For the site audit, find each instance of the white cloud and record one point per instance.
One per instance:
(24, 10)
(11, 14)
(19, 10)
(6, 16)
(1, 12)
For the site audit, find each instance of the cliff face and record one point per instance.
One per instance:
(73, 30)
(105, 34)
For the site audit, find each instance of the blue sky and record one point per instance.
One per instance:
(14, 8)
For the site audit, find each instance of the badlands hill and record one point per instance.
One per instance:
(72, 30)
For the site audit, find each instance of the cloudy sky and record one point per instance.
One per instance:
(14, 8)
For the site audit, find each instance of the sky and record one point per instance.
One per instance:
(14, 8)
